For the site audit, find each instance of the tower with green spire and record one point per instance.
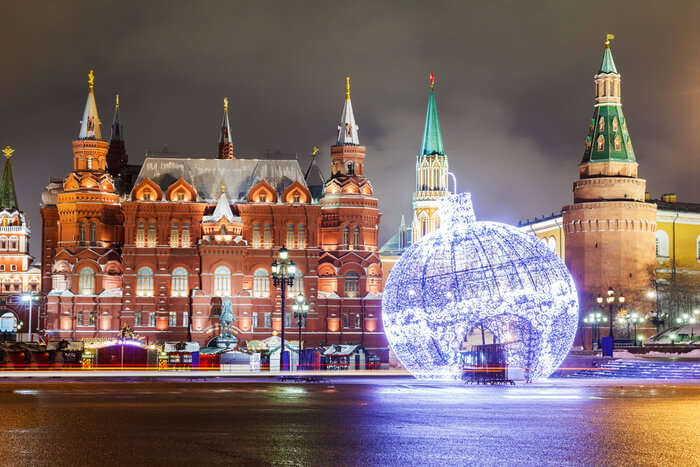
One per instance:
(8, 194)
(431, 172)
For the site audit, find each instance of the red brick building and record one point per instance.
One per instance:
(159, 246)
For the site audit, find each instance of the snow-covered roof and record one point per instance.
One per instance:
(340, 350)
(347, 128)
(223, 209)
(208, 175)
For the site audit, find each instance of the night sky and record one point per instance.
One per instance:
(514, 88)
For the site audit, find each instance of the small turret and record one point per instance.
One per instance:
(117, 157)
(347, 156)
(90, 125)
(225, 142)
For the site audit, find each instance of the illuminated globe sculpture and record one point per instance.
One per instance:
(468, 276)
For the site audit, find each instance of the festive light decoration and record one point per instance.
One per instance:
(470, 275)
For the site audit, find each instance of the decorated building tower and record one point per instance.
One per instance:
(609, 228)
(431, 173)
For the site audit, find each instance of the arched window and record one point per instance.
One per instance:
(601, 142)
(256, 235)
(87, 281)
(13, 243)
(298, 286)
(93, 233)
(436, 177)
(268, 235)
(81, 233)
(618, 144)
(151, 234)
(222, 282)
(351, 284)
(300, 236)
(185, 234)
(144, 282)
(174, 234)
(261, 283)
(356, 237)
(290, 236)
(614, 124)
(601, 124)
(661, 244)
(140, 234)
(346, 237)
(222, 230)
(3, 243)
(178, 285)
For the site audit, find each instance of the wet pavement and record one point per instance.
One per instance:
(348, 422)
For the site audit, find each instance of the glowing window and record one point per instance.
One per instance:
(185, 234)
(300, 236)
(601, 142)
(298, 285)
(356, 237)
(151, 234)
(222, 281)
(87, 281)
(174, 234)
(140, 234)
(178, 286)
(81, 233)
(261, 283)
(661, 244)
(256, 235)
(351, 284)
(346, 237)
(268, 236)
(144, 282)
(93, 233)
(290, 236)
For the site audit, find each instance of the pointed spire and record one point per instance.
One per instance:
(608, 64)
(8, 194)
(90, 125)
(117, 157)
(432, 137)
(347, 128)
(223, 209)
(225, 142)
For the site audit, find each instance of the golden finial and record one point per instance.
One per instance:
(117, 105)
(347, 87)
(432, 81)
(314, 151)
(8, 151)
(225, 104)
(91, 79)
(223, 188)
(608, 38)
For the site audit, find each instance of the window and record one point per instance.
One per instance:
(147, 195)
(3, 243)
(436, 178)
(346, 237)
(290, 236)
(614, 124)
(618, 144)
(144, 282)
(93, 233)
(89, 164)
(79, 319)
(178, 285)
(298, 285)
(13, 267)
(346, 321)
(91, 318)
(185, 320)
(181, 196)
(287, 320)
(222, 282)
(13, 243)
(356, 237)
(661, 244)
(81, 233)
(254, 321)
(140, 229)
(601, 142)
(87, 281)
(172, 319)
(262, 197)
(151, 234)
(256, 235)
(300, 236)
(2, 267)
(296, 198)
(268, 320)
(268, 236)
(185, 234)
(151, 318)
(174, 235)
(261, 283)
(351, 284)
(137, 319)
(358, 321)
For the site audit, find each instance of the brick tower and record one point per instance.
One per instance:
(431, 173)
(225, 144)
(609, 228)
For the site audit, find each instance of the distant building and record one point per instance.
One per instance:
(18, 275)
(159, 246)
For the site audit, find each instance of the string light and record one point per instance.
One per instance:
(468, 275)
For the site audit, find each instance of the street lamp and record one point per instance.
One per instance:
(610, 299)
(594, 319)
(283, 272)
(300, 309)
(635, 319)
(29, 298)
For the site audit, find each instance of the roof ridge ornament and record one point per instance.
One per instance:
(91, 79)
(116, 105)
(347, 87)
(608, 38)
(8, 151)
(225, 104)
(432, 81)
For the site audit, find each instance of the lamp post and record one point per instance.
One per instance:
(29, 298)
(635, 318)
(300, 308)
(283, 271)
(594, 319)
(610, 299)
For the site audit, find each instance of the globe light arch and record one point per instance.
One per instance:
(469, 276)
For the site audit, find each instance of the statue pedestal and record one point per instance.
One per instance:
(227, 342)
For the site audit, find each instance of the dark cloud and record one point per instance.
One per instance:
(514, 87)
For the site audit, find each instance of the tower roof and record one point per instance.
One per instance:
(8, 195)
(225, 135)
(347, 128)
(432, 137)
(116, 124)
(608, 64)
(90, 125)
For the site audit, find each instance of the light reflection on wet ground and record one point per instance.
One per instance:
(360, 422)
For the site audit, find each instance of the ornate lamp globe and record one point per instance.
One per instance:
(470, 283)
